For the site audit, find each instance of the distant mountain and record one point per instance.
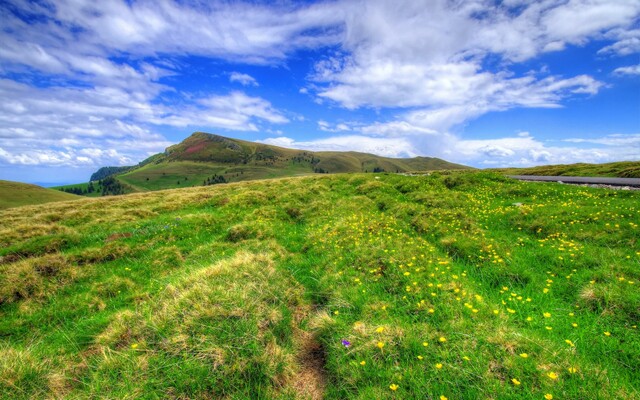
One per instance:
(204, 159)
(15, 194)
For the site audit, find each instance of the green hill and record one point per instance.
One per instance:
(622, 169)
(204, 158)
(461, 285)
(15, 194)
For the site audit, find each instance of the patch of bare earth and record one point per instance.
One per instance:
(311, 379)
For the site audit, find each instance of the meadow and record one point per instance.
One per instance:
(16, 194)
(621, 169)
(444, 286)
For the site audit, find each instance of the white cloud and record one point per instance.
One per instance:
(526, 150)
(339, 127)
(234, 111)
(630, 70)
(628, 42)
(235, 31)
(576, 20)
(381, 146)
(78, 122)
(243, 79)
(616, 140)
(430, 56)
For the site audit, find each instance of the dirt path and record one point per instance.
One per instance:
(311, 381)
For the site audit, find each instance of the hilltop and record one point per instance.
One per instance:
(15, 194)
(205, 159)
(459, 285)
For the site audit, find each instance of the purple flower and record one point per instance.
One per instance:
(346, 343)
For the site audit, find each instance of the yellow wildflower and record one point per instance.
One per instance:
(524, 355)
(393, 387)
(552, 375)
(515, 381)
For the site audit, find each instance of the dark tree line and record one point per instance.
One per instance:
(110, 186)
(106, 187)
(214, 180)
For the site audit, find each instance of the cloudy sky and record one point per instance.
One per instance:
(85, 84)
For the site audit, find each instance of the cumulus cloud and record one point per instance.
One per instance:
(525, 150)
(56, 125)
(339, 127)
(630, 70)
(627, 42)
(243, 79)
(234, 111)
(237, 31)
(430, 55)
(381, 146)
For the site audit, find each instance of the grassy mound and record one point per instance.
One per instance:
(16, 194)
(465, 285)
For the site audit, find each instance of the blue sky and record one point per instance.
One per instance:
(85, 84)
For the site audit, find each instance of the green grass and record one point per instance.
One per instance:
(326, 286)
(623, 169)
(15, 194)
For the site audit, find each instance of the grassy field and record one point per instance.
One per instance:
(15, 194)
(363, 286)
(623, 169)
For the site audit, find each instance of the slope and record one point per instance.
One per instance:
(203, 158)
(15, 194)
(361, 286)
(622, 169)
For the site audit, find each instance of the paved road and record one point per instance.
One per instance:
(581, 179)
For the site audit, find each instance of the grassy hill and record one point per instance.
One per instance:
(15, 194)
(345, 286)
(623, 169)
(203, 157)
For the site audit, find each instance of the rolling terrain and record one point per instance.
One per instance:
(622, 169)
(459, 285)
(203, 159)
(15, 194)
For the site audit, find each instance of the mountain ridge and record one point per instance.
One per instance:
(205, 158)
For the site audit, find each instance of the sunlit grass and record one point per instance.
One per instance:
(362, 286)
